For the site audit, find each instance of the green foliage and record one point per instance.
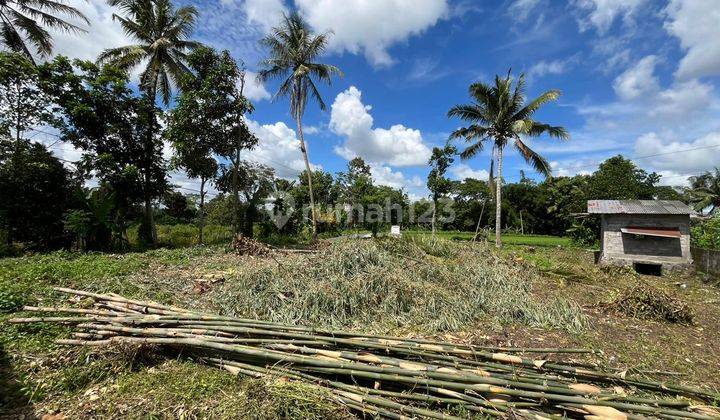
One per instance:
(11, 301)
(584, 233)
(499, 113)
(705, 191)
(23, 105)
(27, 23)
(92, 224)
(98, 113)
(620, 179)
(35, 192)
(706, 233)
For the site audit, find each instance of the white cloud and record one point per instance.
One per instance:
(683, 99)
(371, 26)
(602, 13)
(102, 33)
(396, 146)
(278, 148)
(255, 89)
(696, 23)
(520, 9)
(462, 171)
(544, 67)
(384, 175)
(426, 70)
(572, 168)
(264, 13)
(638, 80)
(684, 157)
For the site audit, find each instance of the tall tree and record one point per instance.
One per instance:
(705, 191)
(499, 113)
(209, 119)
(35, 191)
(620, 179)
(24, 22)
(97, 112)
(23, 104)
(293, 49)
(193, 127)
(437, 183)
(162, 34)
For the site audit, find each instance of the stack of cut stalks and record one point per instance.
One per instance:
(385, 376)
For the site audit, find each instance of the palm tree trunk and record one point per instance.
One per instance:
(303, 149)
(201, 224)
(433, 215)
(148, 216)
(236, 190)
(498, 198)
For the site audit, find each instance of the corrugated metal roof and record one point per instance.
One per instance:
(638, 207)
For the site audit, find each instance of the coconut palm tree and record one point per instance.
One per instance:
(705, 191)
(162, 34)
(499, 113)
(25, 21)
(293, 49)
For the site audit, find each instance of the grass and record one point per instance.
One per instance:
(534, 296)
(507, 238)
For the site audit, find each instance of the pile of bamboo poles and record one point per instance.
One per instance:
(384, 376)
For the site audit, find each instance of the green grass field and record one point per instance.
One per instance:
(508, 238)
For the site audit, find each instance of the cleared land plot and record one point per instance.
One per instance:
(553, 298)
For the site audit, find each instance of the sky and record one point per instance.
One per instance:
(638, 78)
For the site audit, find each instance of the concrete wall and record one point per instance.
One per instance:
(706, 261)
(624, 249)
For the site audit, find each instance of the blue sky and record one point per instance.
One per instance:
(638, 77)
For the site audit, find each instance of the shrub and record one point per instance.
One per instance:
(706, 234)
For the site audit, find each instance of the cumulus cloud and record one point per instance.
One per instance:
(278, 148)
(384, 175)
(697, 25)
(638, 80)
(396, 146)
(103, 32)
(371, 26)
(463, 170)
(684, 157)
(255, 89)
(264, 13)
(602, 13)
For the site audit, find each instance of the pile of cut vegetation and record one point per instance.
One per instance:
(646, 302)
(420, 283)
(242, 245)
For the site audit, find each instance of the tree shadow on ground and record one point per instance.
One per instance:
(14, 403)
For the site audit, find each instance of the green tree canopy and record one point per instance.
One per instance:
(23, 104)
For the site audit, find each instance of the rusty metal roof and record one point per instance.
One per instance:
(638, 207)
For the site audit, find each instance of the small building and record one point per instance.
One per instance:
(649, 235)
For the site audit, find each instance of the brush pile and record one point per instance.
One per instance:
(242, 245)
(646, 302)
(378, 375)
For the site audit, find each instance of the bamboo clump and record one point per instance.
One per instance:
(385, 376)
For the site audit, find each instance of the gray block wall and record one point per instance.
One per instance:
(624, 249)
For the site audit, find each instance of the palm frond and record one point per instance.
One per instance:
(538, 162)
(471, 150)
(535, 104)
